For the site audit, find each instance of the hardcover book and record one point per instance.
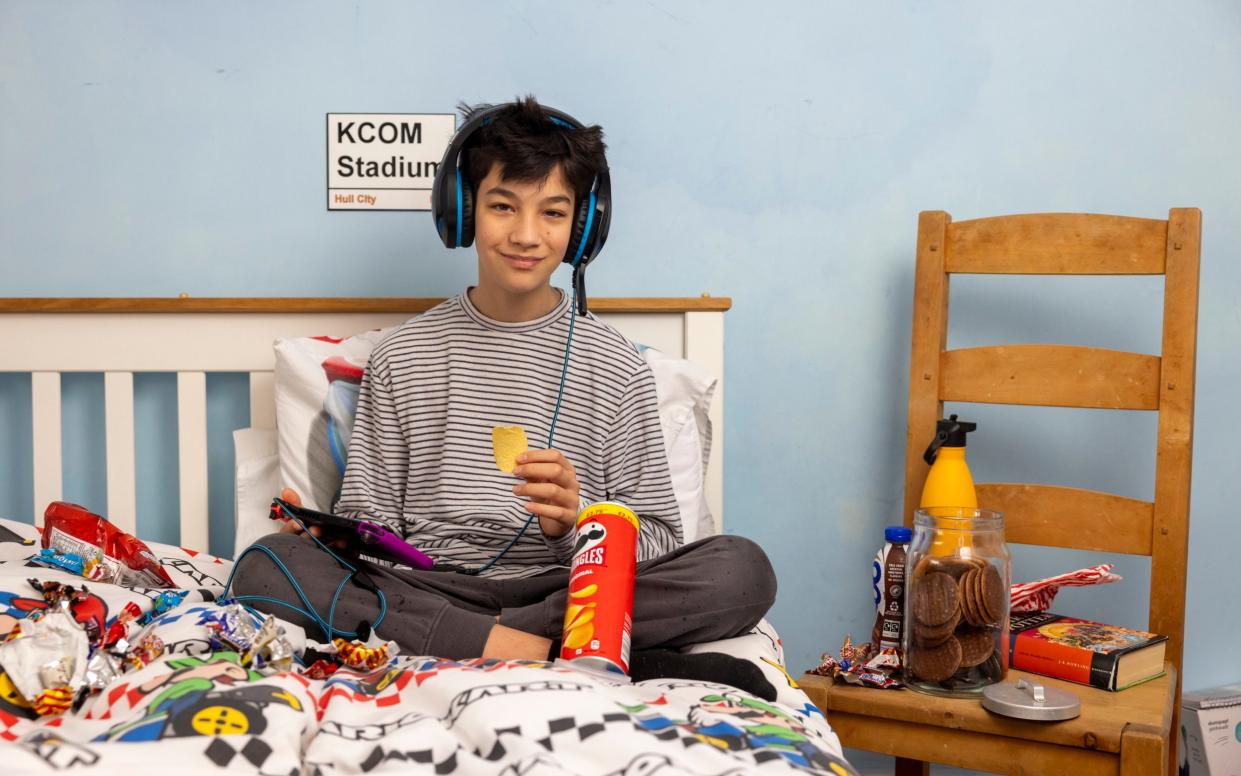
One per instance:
(1109, 657)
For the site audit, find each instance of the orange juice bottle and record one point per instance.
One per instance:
(949, 486)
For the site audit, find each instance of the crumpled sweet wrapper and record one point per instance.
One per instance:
(48, 652)
(1037, 596)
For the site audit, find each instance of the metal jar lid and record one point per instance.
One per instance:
(1027, 699)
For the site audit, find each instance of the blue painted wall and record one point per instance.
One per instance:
(777, 153)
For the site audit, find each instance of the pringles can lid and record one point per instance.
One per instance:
(1028, 699)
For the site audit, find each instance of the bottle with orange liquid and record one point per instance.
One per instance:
(949, 486)
(958, 572)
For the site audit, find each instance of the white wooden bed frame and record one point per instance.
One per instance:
(191, 337)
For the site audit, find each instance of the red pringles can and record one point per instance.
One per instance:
(598, 618)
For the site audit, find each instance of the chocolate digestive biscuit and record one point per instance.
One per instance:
(937, 599)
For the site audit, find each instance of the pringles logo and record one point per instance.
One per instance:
(590, 538)
(592, 557)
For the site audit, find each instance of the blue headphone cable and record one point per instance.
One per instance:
(326, 625)
(551, 434)
(309, 612)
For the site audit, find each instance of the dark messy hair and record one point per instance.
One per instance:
(528, 145)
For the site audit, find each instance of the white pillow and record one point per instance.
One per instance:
(314, 376)
(685, 390)
(257, 481)
(317, 379)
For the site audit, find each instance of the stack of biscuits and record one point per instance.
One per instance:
(956, 604)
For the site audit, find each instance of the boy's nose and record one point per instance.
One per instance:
(525, 232)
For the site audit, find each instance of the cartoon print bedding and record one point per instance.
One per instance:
(205, 711)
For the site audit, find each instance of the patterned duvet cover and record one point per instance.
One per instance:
(199, 710)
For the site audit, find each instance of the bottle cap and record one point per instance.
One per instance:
(949, 432)
(897, 534)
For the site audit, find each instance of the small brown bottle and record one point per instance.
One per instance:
(888, 576)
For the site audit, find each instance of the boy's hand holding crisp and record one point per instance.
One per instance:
(551, 484)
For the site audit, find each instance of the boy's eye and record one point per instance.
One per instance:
(500, 206)
(555, 213)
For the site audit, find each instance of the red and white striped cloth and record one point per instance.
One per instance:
(1037, 596)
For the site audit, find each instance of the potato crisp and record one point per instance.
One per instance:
(508, 442)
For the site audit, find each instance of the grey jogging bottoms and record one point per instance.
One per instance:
(714, 588)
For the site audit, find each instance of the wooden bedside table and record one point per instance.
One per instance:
(1124, 732)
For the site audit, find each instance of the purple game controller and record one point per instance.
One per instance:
(392, 546)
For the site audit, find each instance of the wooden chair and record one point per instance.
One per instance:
(1132, 731)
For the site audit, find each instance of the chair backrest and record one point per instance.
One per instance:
(1070, 376)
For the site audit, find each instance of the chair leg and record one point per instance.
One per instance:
(907, 767)
(1143, 752)
(1174, 741)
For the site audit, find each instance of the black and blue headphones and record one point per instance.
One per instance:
(452, 201)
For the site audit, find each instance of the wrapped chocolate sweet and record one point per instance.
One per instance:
(233, 628)
(321, 669)
(52, 701)
(357, 654)
(264, 647)
(165, 601)
(123, 623)
(146, 648)
(860, 665)
(270, 649)
(102, 668)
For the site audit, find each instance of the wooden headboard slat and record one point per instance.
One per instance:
(193, 338)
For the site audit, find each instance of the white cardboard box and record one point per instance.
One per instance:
(1211, 731)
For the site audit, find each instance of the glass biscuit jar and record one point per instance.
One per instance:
(957, 573)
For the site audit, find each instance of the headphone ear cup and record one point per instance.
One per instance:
(467, 214)
(443, 203)
(579, 226)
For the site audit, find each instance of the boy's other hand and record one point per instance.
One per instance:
(293, 527)
(552, 487)
(288, 525)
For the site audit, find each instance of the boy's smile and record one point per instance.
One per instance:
(521, 232)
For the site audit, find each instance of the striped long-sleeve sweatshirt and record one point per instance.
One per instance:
(420, 457)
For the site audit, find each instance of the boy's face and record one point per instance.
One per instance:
(521, 231)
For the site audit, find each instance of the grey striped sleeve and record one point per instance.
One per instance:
(374, 481)
(637, 467)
